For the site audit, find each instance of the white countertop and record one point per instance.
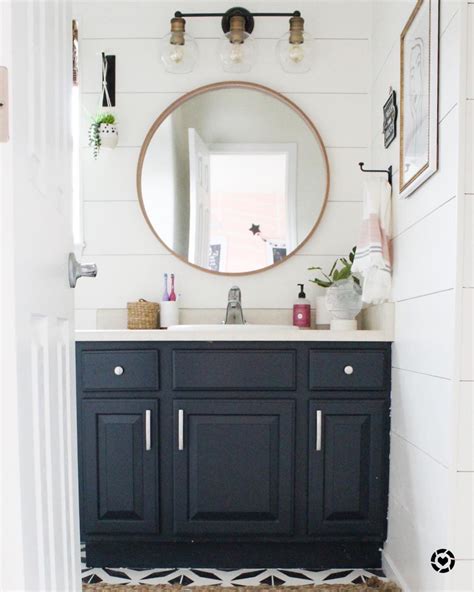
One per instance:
(238, 335)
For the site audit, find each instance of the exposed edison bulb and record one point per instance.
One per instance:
(176, 53)
(295, 48)
(237, 57)
(237, 49)
(236, 54)
(179, 51)
(296, 53)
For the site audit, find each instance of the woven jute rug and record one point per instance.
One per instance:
(371, 585)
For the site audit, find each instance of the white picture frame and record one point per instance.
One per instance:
(419, 57)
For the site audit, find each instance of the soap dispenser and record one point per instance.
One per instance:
(302, 310)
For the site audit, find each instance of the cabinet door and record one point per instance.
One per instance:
(346, 467)
(119, 447)
(233, 467)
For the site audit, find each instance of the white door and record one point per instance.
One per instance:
(40, 540)
(199, 196)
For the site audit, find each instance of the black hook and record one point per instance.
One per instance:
(388, 172)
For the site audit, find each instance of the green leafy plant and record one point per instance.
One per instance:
(94, 130)
(341, 270)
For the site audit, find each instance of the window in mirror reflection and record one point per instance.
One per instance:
(222, 214)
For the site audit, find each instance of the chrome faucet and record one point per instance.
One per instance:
(234, 314)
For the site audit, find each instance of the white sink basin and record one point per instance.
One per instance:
(221, 327)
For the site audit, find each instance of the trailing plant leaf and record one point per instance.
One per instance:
(322, 283)
(94, 138)
(352, 254)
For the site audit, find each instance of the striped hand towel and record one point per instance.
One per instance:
(373, 259)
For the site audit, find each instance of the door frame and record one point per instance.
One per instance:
(290, 149)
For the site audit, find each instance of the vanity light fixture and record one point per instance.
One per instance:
(295, 48)
(237, 49)
(179, 52)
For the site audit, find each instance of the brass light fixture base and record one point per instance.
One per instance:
(296, 30)
(248, 19)
(237, 29)
(177, 30)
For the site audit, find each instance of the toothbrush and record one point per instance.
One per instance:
(172, 293)
(165, 293)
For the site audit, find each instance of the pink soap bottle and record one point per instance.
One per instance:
(302, 310)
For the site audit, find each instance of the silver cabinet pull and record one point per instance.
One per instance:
(180, 429)
(118, 370)
(148, 429)
(348, 370)
(319, 416)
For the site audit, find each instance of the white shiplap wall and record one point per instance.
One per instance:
(464, 485)
(431, 503)
(335, 95)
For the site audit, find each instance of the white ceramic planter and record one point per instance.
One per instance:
(344, 302)
(108, 134)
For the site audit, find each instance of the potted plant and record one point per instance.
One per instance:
(103, 132)
(344, 293)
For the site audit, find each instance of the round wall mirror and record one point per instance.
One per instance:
(233, 178)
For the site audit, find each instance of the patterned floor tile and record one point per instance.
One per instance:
(223, 577)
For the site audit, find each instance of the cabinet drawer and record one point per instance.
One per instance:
(234, 370)
(347, 370)
(120, 370)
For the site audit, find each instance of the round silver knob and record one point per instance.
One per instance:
(348, 370)
(118, 370)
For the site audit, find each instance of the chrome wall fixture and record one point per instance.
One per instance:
(179, 51)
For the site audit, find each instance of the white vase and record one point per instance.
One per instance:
(344, 302)
(108, 134)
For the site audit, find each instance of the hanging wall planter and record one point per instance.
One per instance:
(103, 132)
(108, 135)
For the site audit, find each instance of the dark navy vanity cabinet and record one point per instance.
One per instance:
(254, 454)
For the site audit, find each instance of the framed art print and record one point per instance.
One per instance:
(419, 96)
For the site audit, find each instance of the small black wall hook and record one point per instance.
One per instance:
(388, 172)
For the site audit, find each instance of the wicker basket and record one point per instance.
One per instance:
(143, 314)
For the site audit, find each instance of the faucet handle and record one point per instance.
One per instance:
(235, 293)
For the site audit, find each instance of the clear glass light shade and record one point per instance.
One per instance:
(179, 58)
(295, 58)
(237, 57)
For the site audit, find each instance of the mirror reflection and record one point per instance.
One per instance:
(233, 179)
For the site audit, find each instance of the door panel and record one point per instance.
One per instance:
(234, 471)
(346, 473)
(120, 474)
(199, 199)
(38, 306)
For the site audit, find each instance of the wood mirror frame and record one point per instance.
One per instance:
(218, 86)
